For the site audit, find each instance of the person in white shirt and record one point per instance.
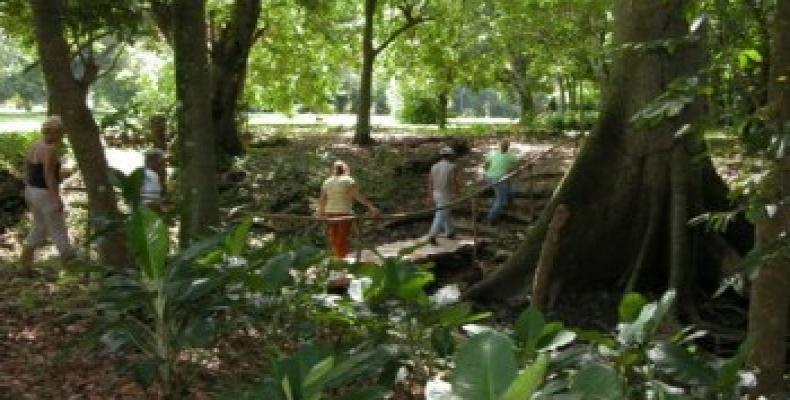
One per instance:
(151, 191)
(443, 185)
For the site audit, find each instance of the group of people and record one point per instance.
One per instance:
(338, 192)
(44, 199)
(444, 186)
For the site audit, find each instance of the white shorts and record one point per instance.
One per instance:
(48, 221)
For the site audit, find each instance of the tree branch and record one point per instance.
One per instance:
(410, 23)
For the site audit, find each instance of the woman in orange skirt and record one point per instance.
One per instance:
(337, 197)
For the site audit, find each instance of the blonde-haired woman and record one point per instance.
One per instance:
(336, 200)
(42, 194)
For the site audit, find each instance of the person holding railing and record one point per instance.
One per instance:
(499, 163)
(336, 200)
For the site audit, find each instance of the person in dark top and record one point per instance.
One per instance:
(42, 194)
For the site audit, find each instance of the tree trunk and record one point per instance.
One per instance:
(625, 198)
(67, 97)
(561, 90)
(362, 133)
(198, 189)
(229, 57)
(442, 102)
(768, 313)
(519, 65)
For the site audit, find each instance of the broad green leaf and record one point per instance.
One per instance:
(644, 326)
(147, 235)
(485, 366)
(529, 328)
(236, 239)
(630, 307)
(319, 371)
(598, 382)
(528, 381)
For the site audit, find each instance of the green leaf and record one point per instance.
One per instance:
(630, 307)
(598, 382)
(442, 341)
(529, 328)
(236, 239)
(528, 381)
(485, 366)
(319, 372)
(275, 271)
(642, 329)
(147, 235)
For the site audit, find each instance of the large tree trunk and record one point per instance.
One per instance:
(768, 313)
(67, 97)
(229, 55)
(630, 195)
(198, 188)
(362, 132)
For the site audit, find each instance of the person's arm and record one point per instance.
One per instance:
(322, 203)
(355, 194)
(51, 177)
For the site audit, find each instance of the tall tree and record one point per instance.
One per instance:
(397, 17)
(198, 187)
(233, 30)
(768, 312)
(635, 185)
(67, 90)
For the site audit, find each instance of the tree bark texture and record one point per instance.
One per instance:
(768, 312)
(229, 56)
(198, 189)
(631, 200)
(548, 252)
(67, 98)
(520, 82)
(362, 131)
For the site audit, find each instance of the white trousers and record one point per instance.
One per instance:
(48, 221)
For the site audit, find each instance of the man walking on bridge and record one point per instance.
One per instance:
(498, 164)
(443, 186)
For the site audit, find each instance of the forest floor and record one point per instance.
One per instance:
(46, 351)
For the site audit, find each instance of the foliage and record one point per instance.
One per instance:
(417, 109)
(637, 363)
(12, 150)
(314, 371)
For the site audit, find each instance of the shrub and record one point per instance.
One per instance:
(419, 110)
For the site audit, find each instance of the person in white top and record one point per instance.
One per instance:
(443, 185)
(337, 196)
(151, 191)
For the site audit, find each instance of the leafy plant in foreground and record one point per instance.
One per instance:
(167, 304)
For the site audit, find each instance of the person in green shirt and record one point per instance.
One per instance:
(498, 164)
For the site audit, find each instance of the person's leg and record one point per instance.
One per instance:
(437, 224)
(449, 228)
(332, 236)
(59, 233)
(38, 231)
(343, 238)
(500, 200)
